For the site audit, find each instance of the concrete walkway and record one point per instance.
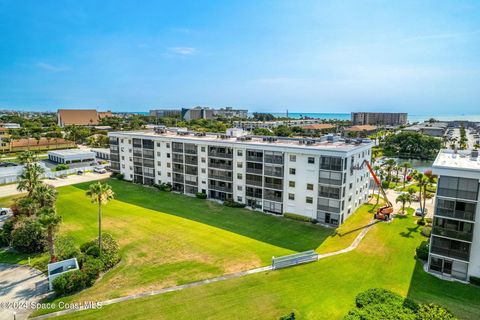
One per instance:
(11, 189)
(22, 285)
(353, 246)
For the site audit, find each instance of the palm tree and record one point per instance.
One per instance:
(45, 195)
(390, 166)
(405, 166)
(422, 181)
(27, 158)
(49, 219)
(100, 193)
(404, 198)
(30, 178)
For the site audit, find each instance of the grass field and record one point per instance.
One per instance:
(195, 240)
(320, 290)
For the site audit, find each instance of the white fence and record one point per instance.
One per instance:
(294, 259)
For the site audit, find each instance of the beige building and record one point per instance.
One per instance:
(80, 117)
(379, 118)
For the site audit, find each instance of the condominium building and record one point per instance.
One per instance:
(455, 240)
(161, 113)
(379, 118)
(310, 177)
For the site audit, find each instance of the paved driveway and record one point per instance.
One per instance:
(11, 189)
(20, 284)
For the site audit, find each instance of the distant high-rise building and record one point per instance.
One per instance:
(379, 118)
(161, 113)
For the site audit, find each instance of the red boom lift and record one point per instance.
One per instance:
(383, 213)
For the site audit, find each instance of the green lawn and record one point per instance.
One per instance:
(320, 290)
(195, 240)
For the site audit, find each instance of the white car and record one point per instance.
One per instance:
(4, 211)
(99, 170)
(418, 212)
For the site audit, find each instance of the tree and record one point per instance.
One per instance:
(390, 166)
(45, 195)
(421, 183)
(27, 158)
(49, 219)
(30, 178)
(100, 193)
(405, 166)
(404, 198)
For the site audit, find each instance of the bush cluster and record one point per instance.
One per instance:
(475, 280)
(91, 262)
(201, 195)
(426, 231)
(233, 204)
(27, 235)
(166, 186)
(422, 251)
(384, 304)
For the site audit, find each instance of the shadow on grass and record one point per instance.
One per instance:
(340, 234)
(461, 299)
(277, 231)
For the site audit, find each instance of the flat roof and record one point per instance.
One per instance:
(462, 160)
(340, 144)
(70, 152)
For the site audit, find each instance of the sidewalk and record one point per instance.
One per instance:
(11, 189)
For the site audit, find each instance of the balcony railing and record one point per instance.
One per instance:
(254, 170)
(223, 166)
(450, 253)
(276, 186)
(274, 160)
(253, 182)
(254, 158)
(470, 216)
(177, 150)
(220, 154)
(223, 177)
(220, 188)
(190, 151)
(467, 236)
(273, 173)
(178, 178)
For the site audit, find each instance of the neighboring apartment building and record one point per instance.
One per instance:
(379, 118)
(455, 239)
(81, 117)
(229, 112)
(161, 113)
(435, 129)
(313, 178)
(208, 113)
(250, 125)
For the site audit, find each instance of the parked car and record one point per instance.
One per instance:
(80, 172)
(99, 170)
(418, 212)
(4, 211)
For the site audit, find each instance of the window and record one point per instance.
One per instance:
(239, 188)
(291, 196)
(203, 159)
(158, 144)
(168, 164)
(239, 176)
(309, 200)
(123, 157)
(203, 149)
(158, 153)
(121, 140)
(311, 160)
(159, 163)
(309, 186)
(168, 145)
(204, 170)
(239, 199)
(239, 153)
(350, 186)
(292, 171)
(168, 155)
(169, 174)
(291, 184)
(293, 158)
(159, 173)
(239, 164)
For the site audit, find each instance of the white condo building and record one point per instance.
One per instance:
(455, 240)
(310, 177)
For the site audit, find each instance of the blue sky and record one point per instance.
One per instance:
(308, 56)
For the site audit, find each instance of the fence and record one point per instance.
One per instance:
(294, 259)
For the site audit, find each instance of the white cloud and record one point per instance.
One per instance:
(183, 51)
(51, 67)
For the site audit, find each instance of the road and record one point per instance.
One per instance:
(11, 189)
(392, 195)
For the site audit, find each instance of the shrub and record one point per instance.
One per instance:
(426, 231)
(69, 282)
(233, 204)
(164, 186)
(7, 229)
(314, 221)
(434, 312)
(119, 176)
(385, 184)
(91, 268)
(382, 296)
(422, 251)
(475, 280)
(65, 248)
(61, 166)
(201, 195)
(28, 236)
(429, 221)
(421, 222)
(297, 217)
(110, 251)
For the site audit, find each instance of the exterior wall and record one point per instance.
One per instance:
(379, 118)
(270, 172)
(473, 259)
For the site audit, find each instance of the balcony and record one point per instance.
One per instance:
(178, 178)
(177, 150)
(216, 187)
(273, 172)
(253, 182)
(274, 160)
(223, 166)
(440, 212)
(190, 151)
(222, 177)
(460, 235)
(457, 254)
(273, 185)
(254, 158)
(254, 170)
